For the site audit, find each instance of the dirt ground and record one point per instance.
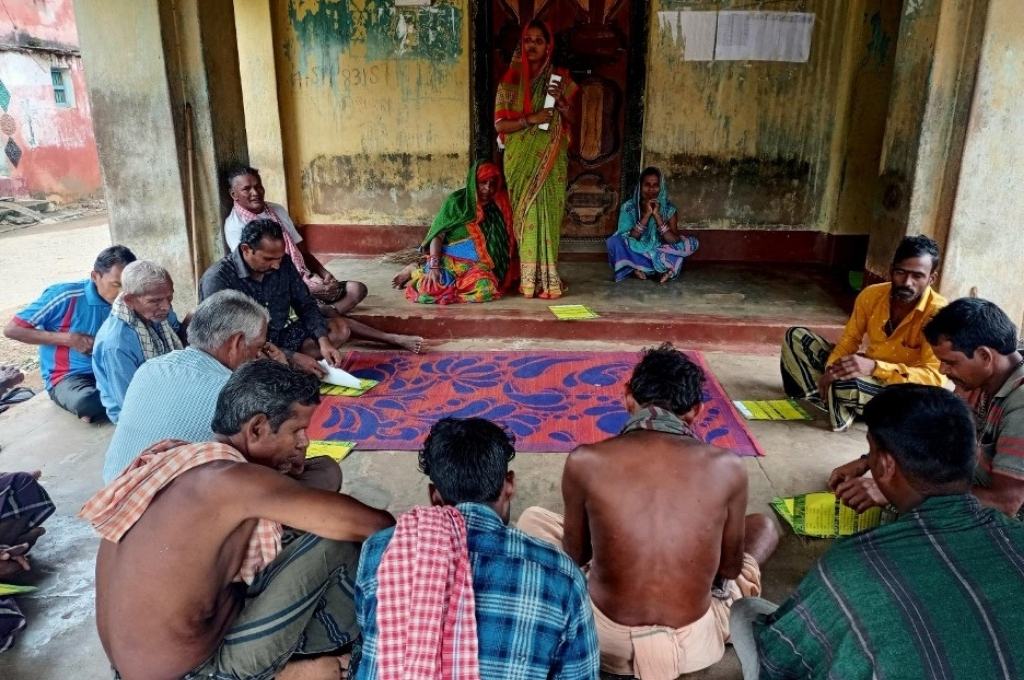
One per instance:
(31, 258)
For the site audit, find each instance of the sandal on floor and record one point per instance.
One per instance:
(16, 396)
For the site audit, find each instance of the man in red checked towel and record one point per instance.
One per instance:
(454, 593)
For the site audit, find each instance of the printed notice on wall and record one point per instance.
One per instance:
(695, 31)
(740, 36)
(764, 36)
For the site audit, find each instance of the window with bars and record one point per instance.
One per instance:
(62, 92)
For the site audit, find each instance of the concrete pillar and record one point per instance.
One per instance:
(936, 61)
(258, 72)
(983, 251)
(135, 131)
(148, 61)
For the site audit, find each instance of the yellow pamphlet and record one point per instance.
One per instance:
(772, 409)
(573, 312)
(365, 385)
(823, 515)
(327, 447)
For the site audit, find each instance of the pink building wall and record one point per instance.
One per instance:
(47, 150)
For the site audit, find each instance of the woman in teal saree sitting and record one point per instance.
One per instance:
(647, 242)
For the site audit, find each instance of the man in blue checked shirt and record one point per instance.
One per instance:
(533, 612)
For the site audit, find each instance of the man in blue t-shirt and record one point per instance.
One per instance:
(63, 322)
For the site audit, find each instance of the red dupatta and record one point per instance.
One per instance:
(484, 171)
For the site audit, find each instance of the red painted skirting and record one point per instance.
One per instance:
(716, 245)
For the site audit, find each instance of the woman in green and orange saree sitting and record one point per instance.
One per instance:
(536, 140)
(472, 250)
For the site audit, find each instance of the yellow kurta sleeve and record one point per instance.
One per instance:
(853, 333)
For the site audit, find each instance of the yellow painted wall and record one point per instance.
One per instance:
(756, 144)
(374, 104)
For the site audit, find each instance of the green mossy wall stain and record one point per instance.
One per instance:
(322, 35)
(432, 33)
(325, 33)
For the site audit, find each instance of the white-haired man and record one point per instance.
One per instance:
(141, 326)
(174, 395)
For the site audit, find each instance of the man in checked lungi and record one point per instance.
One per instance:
(883, 342)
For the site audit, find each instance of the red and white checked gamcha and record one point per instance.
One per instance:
(426, 612)
(290, 246)
(118, 506)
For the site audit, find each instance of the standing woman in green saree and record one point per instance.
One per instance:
(535, 159)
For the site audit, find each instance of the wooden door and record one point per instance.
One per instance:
(592, 40)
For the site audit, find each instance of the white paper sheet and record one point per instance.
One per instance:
(697, 31)
(669, 21)
(764, 36)
(549, 101)
(336, 376)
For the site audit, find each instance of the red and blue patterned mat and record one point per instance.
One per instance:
(552, 401)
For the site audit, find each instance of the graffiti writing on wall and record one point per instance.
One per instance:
(327, 29)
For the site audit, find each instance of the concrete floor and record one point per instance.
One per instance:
(60, 641)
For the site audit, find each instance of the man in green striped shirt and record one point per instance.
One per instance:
(936, 594)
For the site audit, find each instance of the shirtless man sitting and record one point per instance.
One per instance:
(660, 519)
(191, 579)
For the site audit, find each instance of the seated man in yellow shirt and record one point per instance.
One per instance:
(883, 342)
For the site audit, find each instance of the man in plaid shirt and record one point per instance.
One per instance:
(977, 345)
(533, 615)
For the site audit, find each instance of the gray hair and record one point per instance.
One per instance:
(142, 275)
(222, 315)
(262, 386)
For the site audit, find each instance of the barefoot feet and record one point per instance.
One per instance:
(9, 377)
(639, 274)
(402, 277)
(322, 668)
(411, 343)
(14, 560)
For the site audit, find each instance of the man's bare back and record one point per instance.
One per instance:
(164, 593)
(664, 515)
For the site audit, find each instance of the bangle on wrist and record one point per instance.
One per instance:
(663, 229)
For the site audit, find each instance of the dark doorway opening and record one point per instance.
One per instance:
(603, 43)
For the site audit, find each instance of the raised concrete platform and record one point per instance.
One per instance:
(712, 305)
